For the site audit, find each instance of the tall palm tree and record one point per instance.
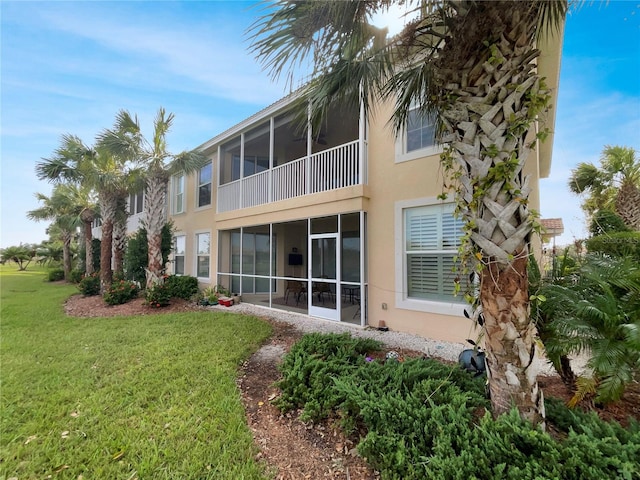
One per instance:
(615, 185)
(126, 139)
(93, 167)
(472, 66)
(84, 198)
(61, 209)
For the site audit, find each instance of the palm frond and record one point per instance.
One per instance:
(187, 162)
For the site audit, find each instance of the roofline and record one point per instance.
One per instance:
(549, 68)
(266, 112)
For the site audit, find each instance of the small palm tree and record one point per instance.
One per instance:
(471, 65)
(64, 212)
(598, 314)
(615, 185)
(157, 167)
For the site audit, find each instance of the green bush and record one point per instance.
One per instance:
(55, 274)
(606, 221)
(598, 313)
(76, 275)
(183, 286)
(90, 285)
(95, 249)
(158, 296)
(120, 291)
(422, 419)
(619, 244)
(309, 368)
(136, 258)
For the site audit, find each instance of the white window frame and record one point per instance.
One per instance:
(402, 298)
(183, 254)
(200, 184)
(402, 155)
(136, 203)
(178, 193)
(197, 255)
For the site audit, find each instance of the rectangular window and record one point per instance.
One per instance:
(421, 131)
(178, 194)
(179, 247)
(136, 203)
(203, 245)
(252, 164)
(204, 185)
(431, 240)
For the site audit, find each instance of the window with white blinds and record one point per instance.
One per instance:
(178, 194)
(179, 248)
(432, 238)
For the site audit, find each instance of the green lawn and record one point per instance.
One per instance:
(149, 397)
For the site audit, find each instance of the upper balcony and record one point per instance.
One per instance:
(276, 160)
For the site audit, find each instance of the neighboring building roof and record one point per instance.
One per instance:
(552, 227)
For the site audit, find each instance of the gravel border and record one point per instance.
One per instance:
(431, 348)
(304, 323)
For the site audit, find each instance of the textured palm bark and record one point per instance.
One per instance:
(108, 206)
(628, 205)
(119, 244)
(66, 254)
(155, 195)
(87, 216)
(510, 345)
(487, 122)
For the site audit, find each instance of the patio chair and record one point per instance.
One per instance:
(322, 288)
(295, 287)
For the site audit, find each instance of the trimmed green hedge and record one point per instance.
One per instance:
(420, 419)
(619, 244)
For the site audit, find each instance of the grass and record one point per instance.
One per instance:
(150, 397)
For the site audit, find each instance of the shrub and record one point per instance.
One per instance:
(76, 275)
(120, 291)
(422, 419)
(619, 244)
(606, 221)
(597, 313)
(95, 249)
(55, 275)
(90, 285)
(158, 296)
(136, 258)
(183, 286)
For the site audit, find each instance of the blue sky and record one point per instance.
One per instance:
(68, 67)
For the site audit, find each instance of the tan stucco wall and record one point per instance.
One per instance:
(389, 182)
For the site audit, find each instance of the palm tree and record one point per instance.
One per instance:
(84, 198)
(96, 168)
(126, 140)
(598, 314)
(471, 65)
(615, 185)
(61, 209)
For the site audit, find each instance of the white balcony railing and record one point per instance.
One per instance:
(334, 168)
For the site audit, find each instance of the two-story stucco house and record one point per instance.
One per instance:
(342, 225)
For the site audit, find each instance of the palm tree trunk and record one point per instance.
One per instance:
(510, 340)
(628, 204)
(66, 254)
(87, 217)
(490, 114)
(119, 245)
(108, 207)
(120, 234)
(155, 195)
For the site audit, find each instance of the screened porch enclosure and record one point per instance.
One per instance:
(310, 266)
(278, 160)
